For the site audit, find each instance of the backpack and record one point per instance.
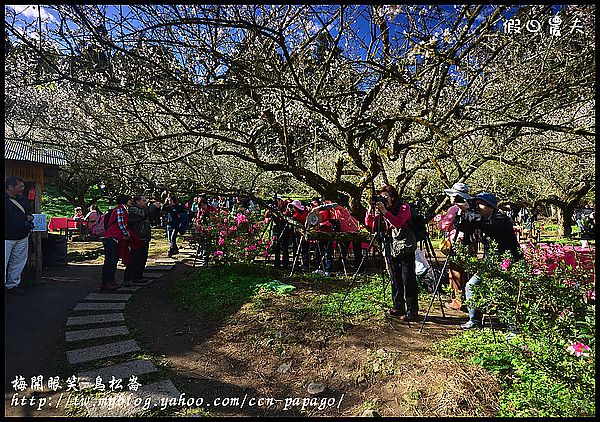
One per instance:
(418, 223)
(101, 225)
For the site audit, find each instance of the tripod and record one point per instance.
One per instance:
(430, 252)
(323, 251)
(436, 291)
(302, 239)
(379, 236)
(276, 248)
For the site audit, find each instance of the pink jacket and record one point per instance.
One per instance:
(447, 223)
(399, 220)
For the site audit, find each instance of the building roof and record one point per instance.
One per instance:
(21, 150)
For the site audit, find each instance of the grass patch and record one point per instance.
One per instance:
(364, 299)
(56, 205)
(211, 292)
(527, 389)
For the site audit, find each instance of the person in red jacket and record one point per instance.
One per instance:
(396, 215)
(204, 210)
(325, 247)
(116, 234)
(298, 212)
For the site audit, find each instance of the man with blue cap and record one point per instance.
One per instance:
(493, 225)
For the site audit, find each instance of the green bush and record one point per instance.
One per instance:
(549, 369)
(529, 388)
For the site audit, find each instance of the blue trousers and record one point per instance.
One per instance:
(172, 236)
(475, 315)
(111, 258)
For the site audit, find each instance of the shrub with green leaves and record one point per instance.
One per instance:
(550, 298)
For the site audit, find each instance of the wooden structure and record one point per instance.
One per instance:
(36, 164)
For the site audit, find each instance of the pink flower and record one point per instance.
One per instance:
(222, 233)
(591, 294)
(232, 228)
(579, 349)
(537, 271)
(566, 313)
(505, 264)
(218, 254)
(240, 218)
(265, 254)
(221, 241)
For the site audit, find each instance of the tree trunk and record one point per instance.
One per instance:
(564, 215)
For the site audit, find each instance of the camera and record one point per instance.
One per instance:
(29, 225)
(459, 200)
(379, 198)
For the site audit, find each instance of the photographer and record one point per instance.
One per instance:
(18, 222)
(324, 247)
(298, 212)
(280, 234)
(459, 194)
(495, 226)
(399, 250)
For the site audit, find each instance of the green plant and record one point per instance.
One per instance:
(362, 301)
(229, 238)
(550, 297)
(210, 292)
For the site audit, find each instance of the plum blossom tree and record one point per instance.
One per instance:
(335, 97)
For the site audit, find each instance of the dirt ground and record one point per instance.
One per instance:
(274, 349)
(270, 357)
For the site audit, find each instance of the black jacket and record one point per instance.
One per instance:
(138, 220)
(14, 218)
(172, 212)
(498, 227)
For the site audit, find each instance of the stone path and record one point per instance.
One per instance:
(98, 309)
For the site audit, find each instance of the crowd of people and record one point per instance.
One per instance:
(127, 232)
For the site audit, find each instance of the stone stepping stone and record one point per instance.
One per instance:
(107, 296)
(133, 288)
(165, 261)
(107, 306)
(153, 275)
(125, 402)
(121, 370)
(95, 319)
(96, 333)
(159, 267)
(88, 354)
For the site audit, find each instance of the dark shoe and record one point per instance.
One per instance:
(142, 280)
(127, 282)
(15, 291)
(470, 325)
(396, 313)
(110, 286)
(410, 317)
